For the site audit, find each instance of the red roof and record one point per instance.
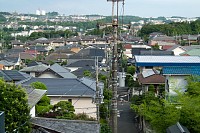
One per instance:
(166, 47)
(128, 46)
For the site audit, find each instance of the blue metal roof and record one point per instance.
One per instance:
(167, 61)
(181, 70)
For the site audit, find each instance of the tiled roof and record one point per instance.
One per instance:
(62, 71)
(63, 86)
(34, 95)
(152, 79)
(38, 68)
(67, 126)
(156, 52)
(181, 70)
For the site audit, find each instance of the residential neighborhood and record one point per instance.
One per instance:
(99, 74)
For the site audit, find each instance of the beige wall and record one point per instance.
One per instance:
(48, 75)
(81, 105)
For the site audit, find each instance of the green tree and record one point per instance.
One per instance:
(64, 110)
(13, 100)
(87, 73)
(39, 85)
(43, 105)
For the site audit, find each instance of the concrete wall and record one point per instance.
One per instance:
(32, 112)
(81, 105)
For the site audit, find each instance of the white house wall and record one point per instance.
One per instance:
(81, 105)
(48, 75)
(32, 111)
(178, 51)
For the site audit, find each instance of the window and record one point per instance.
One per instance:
(70, 100)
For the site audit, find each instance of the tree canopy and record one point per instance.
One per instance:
(15, 105)
(161, 113)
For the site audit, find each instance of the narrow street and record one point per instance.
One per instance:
(126, 116)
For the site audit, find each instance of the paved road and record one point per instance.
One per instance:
(126, 120)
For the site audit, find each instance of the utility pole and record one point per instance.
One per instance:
(97, 101)
(114, 68)
(114, 78)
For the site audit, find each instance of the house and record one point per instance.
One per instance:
(162, 40)
(151, 77)
(176, 77)
(177, 49)
(73, 90)
(16, 43)
(128, 49)
(7, 65)
(53, 71)
(64, 126)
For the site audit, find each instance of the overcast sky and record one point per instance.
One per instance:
(142, 8)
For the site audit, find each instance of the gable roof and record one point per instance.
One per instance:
(151, 77)
(64, 73)
(6, 63)
(63, 87)
(89, 53)
(174, 47)
(67, 126)
(37, 68)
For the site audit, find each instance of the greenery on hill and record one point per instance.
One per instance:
(2, 18)
(172, 29)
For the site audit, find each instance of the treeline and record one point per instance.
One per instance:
(172, 29)
(52, 34)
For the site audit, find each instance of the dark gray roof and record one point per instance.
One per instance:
(156, 52)
(67, 126)
(65, 73)
(11, 75)
(63, 86)
(38, 48)
(82, 63)
(136, 51)
(79, 72)
(89, 53)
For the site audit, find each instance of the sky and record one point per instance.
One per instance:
(142, 8)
